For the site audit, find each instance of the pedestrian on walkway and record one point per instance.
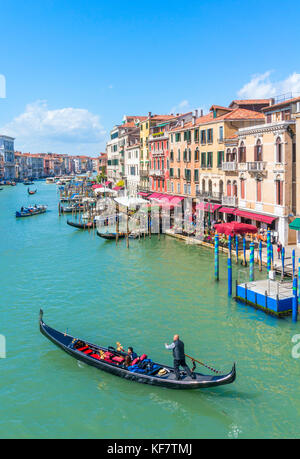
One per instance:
(279, 249)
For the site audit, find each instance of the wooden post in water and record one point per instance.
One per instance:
(251, 267)
(295, 300)
(117, 223)
(260, 255)
(237, 248)
(244, 250)
(282, 262)
(294, 262)
(127, 228)
(269, 260)
(217, 271)
(229, 265)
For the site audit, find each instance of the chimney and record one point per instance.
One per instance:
(272, 101)
(182, 123)
(201, 112)
(194, 120)
(196, 113)
(149, 115)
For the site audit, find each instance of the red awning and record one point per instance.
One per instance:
(154, 196)
(258, 217)
(233, 228)
(208, 207)
(175, 200)
(118, 188)
(107, 183)
(95, 187)
(142, 193)
(227, 210)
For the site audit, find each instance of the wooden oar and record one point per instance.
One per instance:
(203, 364)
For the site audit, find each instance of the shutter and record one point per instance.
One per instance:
(281, 193)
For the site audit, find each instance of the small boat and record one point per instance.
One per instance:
(111, 236)
(30, 211)
(110, 360)
(81, 225)
(31, 191)
(70, 209)
(28, 183)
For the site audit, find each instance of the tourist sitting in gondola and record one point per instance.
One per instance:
(132, 354)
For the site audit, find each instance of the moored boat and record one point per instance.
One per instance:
(70, 209)
(112, 361)
(81, 225)
(111, 235)
(28, 182)
(30, 211)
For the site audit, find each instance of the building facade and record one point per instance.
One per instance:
(7, 153)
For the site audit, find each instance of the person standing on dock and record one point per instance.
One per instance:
(279, 249)
(179, 357)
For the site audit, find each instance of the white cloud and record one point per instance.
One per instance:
(261, 86)
(184, 104)
(64, 130)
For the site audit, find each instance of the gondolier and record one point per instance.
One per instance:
(179, 357)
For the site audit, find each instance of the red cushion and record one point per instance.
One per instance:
(82, 348)
(96, 356)
(143, 357)
(118, 359)
(89, 351)
(108, 361)
(135, 361)
(108, 355)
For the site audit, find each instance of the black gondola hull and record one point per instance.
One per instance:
(111, 236)
(83, 226)
(64, 342)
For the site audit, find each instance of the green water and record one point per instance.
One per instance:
(139, 297)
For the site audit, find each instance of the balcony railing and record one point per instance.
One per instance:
(230, 201)
(157, 172)
(256, 166)
(230, 166)
(217, 196)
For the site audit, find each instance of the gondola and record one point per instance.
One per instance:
(30, 211)
(70, 209)
(113, 363)
(28, 183)
(31, 192)
(81, 225)
(111, 236)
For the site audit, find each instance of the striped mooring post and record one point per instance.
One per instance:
(295, 300)
(229, 269)
(269, 259)
(244, 250)
(260, 255)
(294, 262)
(237, 248)
(282, 261)
(251, 272)
(217, 270)
(230, 244)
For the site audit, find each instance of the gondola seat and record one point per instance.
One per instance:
(88, 351)
(81, 349)
(143, 357)
(135, 361)
(118, 359)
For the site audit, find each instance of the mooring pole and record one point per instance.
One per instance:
(260, 255)
(294, 262)
(217, 270)
(282, 261)
(229, 266)
(251, 277)
(237, 248)
(244, 249)
(269, 250)
(295, 299)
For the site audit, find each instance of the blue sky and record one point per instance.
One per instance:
(73, 69)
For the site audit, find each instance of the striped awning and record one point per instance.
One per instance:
(257, 217)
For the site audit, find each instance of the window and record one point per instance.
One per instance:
(178, 173)
(258, 190)
(196, 135)
(185, 155)
(258, 151)
(171, 155)
(269, 118)
(279, 193)
(190, 155)
(210, 135)
(178, 188)
(178, 137)
(203, 186)
(278, 150)
(187, 175)
(242, 153)
(196, 154)
(196, 175)
(242, 189)
(234, 189)
(203, 137)
(220, 158)
(203, 160)
(221, 133)
(210, 159)
(171, 172)
(229, 188)
(178, 155)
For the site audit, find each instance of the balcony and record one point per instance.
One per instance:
(157, 172)
(213, 195)
(231, 201)
(157, 152)
(230, 166)
(256, 166)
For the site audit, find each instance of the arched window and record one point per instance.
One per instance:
(221, 187)
(279, 191)
(228, 155)
(234, 189)
(210, 186)
(278, 150)
(258, 190)
(234, 155)
(258, 152)
(229, 188)
(203, 185)
(242, 153)
(242, 188)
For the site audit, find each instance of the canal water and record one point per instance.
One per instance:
(139, 297)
